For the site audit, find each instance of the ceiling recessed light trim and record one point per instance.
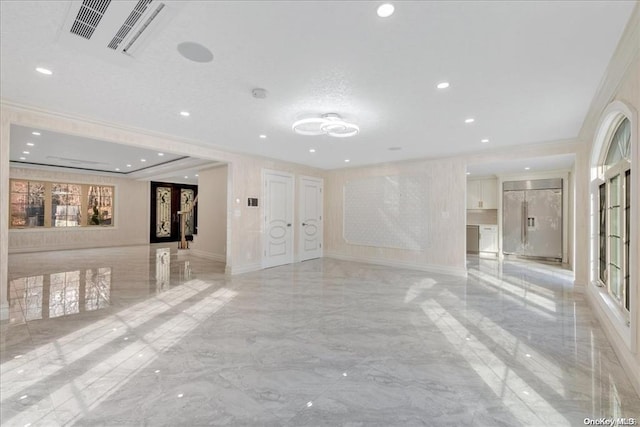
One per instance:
(312, 150)
(263, 136)
(385, 10)
(45, 71)
(160, 154)
(469, 120)
(35, 133)
(443, 85)
(185, 113)
(328, 124)
(30, 144)
(484, 141)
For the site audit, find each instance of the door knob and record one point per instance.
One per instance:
(288, 225)
(304, 223)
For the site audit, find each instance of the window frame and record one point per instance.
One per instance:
(623, 323)
(48, 207)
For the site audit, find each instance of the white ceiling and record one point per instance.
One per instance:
(531, 165)
(525, 70)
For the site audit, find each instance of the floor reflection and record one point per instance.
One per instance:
(152, 337)
(59, 294)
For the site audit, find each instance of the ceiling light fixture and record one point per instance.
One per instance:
(143, 160)
(35, 133)
(484, 140)
(25, 152)
(527, 168)
(186, 177)
(470, 120)
(443, 85)
(312, 150)
(197, 175)
(23, 158)
(385, 10)
(44, 71)
(347, 160)
(263, 136)
(117, 169)
(128, 166)
(160, 154)
(468, 173)
(328, 124)
(185, 113)
(30, 144)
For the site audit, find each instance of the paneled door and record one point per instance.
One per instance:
(167, 199)
(310, 225)
(278, 218)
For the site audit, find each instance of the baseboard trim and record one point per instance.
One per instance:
(248, 268)
(459, 272)
(209, 255)
(71, 247)
(625, 355)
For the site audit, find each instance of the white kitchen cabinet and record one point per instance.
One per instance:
(489, 238)
(482, 194)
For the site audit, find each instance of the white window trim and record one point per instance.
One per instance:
(615, 314)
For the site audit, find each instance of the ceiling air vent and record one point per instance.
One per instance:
(129, 23)
(116, 31)
(88, 17)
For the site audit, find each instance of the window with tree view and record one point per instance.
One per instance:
(53, 204)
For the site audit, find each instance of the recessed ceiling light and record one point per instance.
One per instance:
(143, 160)
(527, 168)
(186, 177)
(44, 71)
(23, 158)
(484, 140)
(185, 113)
(117, 169)
(197, 175)
(312, 150)
(468, 173)
(470, 120)
(35, 133)
(25, 152)
(160, 154)
(128, 166)
(263, 136)
(443, 85)
(347, 160)
(385, 10)
(30, 144)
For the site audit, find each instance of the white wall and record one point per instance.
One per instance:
(211, 240)
(131, 216)
(444, 220)
(619, 88)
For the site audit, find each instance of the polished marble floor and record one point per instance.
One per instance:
(146, 336)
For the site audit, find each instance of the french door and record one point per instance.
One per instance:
(167, 199)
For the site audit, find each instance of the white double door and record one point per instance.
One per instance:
(279, 218)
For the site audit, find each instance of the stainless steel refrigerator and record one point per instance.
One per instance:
(532, 218)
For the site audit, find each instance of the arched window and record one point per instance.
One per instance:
(614, 197)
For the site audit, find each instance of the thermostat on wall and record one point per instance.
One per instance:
(252, 202)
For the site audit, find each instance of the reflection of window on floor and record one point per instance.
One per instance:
(64, 294)
(33, 297)
(97, 288)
